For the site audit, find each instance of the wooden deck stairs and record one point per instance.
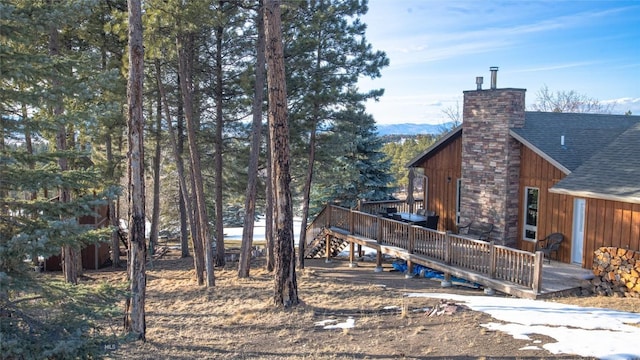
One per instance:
(317, 248)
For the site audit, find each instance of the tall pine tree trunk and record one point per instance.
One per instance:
(185, 204)
(113, 218)
(218, 98)
(187, 223)
(286, 287)
(312, 158)
(135, 322)
(155, 215)
(186, 87)
(186, 211)
(256, 133)
(270, 209)
(305, 197)
(69, 261)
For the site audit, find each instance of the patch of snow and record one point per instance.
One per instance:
(348, 324)
(259, 227)
(325, 322)
(530, 347)
(583, 331)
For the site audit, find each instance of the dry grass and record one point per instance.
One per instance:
(236, 320)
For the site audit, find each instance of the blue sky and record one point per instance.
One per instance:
(437, 48)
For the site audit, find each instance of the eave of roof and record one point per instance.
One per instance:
(596, 195)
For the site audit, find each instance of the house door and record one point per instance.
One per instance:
(577, 241)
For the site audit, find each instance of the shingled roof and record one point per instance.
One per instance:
(612, 173)
(584, 135)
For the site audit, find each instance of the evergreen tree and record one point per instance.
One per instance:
(45, 96)
(361, 170)
(286, 285)
(401, 151)
(327, 53)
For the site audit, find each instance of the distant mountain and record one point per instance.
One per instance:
(412, 129)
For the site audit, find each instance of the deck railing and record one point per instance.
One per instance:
(376, 207)
(486, 258)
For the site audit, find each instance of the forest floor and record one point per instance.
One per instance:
(236, 319)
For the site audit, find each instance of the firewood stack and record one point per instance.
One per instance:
(617, 272)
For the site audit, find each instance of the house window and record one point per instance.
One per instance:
(531, 198)
(458, 192)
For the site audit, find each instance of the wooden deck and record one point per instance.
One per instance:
(561, 279)
(510, 271)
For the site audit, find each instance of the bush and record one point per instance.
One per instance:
(49, 319)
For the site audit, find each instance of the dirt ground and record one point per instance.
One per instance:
(236, 320)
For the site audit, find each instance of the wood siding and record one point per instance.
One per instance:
(555, 211)
(607, 223)
(443, 169)
(610, 223)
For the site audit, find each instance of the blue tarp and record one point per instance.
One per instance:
(419, 270)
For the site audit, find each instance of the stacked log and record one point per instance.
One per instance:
(617, 272)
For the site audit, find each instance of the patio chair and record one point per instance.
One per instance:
(549, 245)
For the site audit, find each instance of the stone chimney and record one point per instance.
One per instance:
(491, 159)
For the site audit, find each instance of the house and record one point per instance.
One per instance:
(93, 256)
(531, 174)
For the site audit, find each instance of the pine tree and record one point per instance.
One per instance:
(286, 285)
(327, 53)
(45, 96)
(362, 169)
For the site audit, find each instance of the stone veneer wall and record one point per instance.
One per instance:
(491, 160)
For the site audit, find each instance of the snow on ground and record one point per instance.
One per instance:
(235, 233)
(584, 331)
(334, 324)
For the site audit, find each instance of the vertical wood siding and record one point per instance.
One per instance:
(555, 211)
(441, 192)
(607, 223)
(610, 223)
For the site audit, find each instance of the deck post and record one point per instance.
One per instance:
(360, 252)
(412, 237)
(351, 221)
(446, 282)
(378, 261)
(378, 240)
(537, 272)
(327, 248)
(492, 259)
(447, 248)
(351, 255)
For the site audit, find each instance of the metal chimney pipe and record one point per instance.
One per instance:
(494, 76)
(479, 81)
